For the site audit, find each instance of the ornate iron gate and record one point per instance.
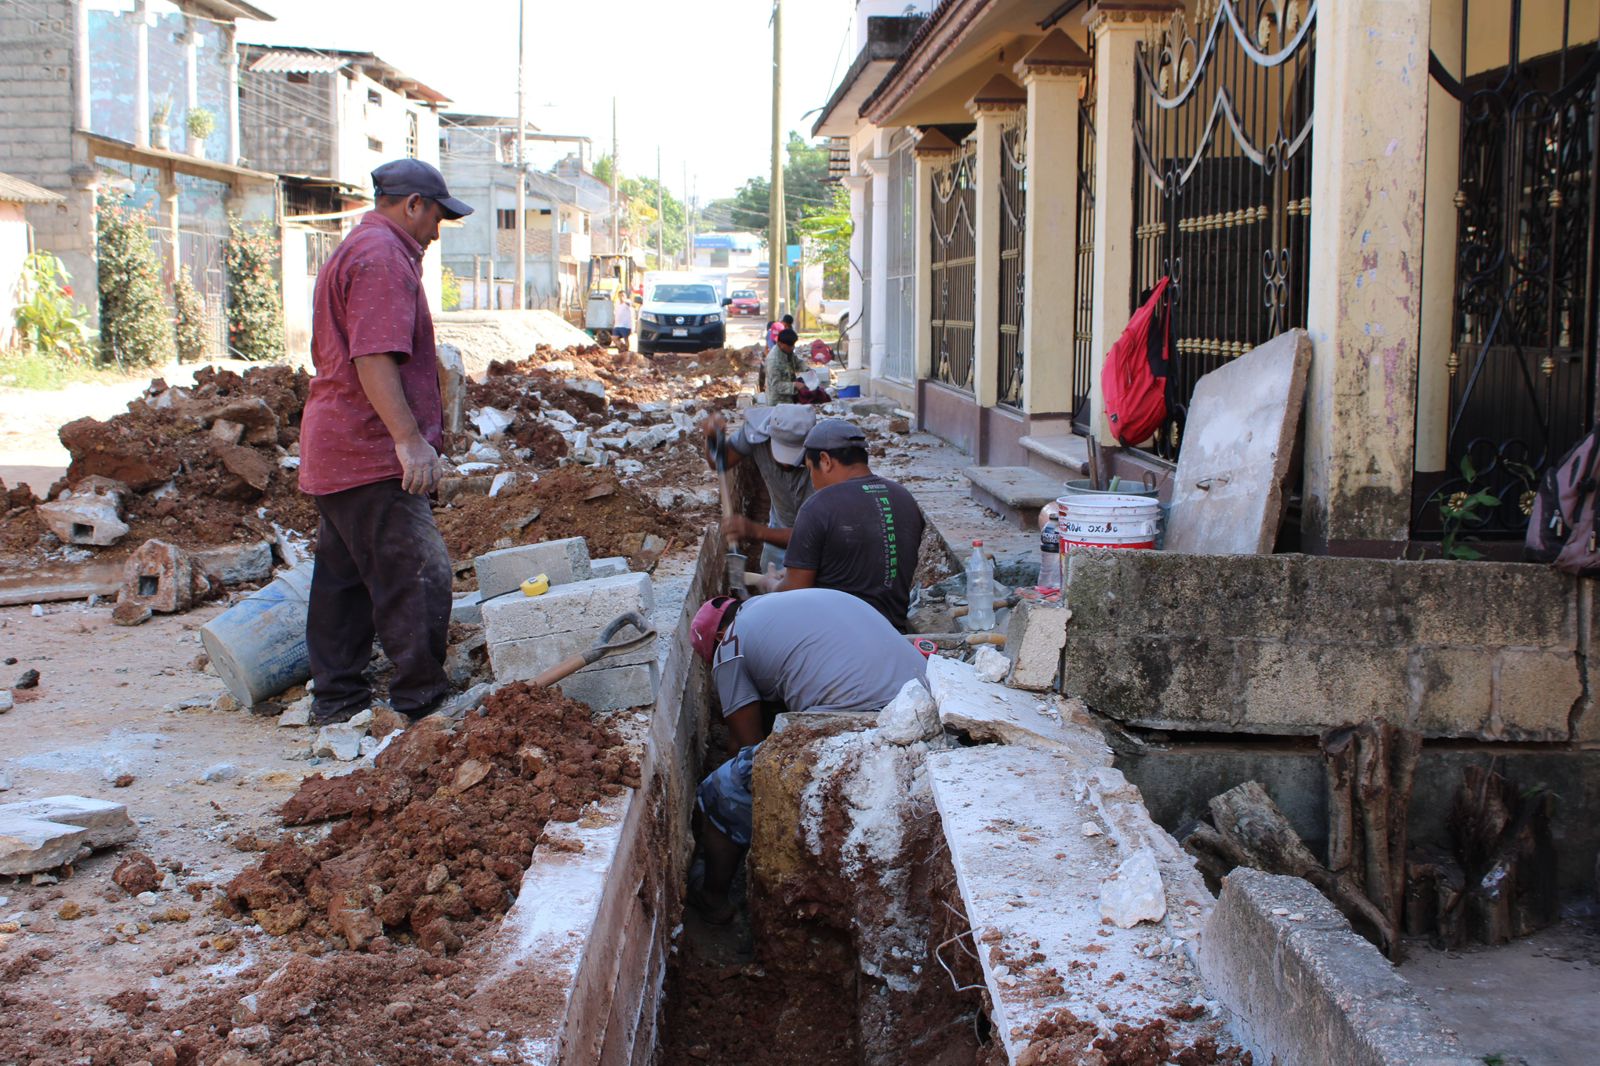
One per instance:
(954, 254)
(1522, 355)
(1013, 230)
(899, 361)
(1222, 129)
(1083, 277)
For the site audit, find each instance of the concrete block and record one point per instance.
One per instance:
(1535, 692)
(1159, 682)
(1453, 690)
(991, 712)
(104, 822)
(610, 566)
(1311, 990)
(563, 561)
(237, 564)
(91, 519)
(1486, 603)
(467, 607)
(29, 845)
(162, 577)
(583, 606)
(608, 688)
(1307, 688)
(520, 660)
(1037, 633)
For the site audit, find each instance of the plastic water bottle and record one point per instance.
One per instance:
(1050, 556)
(980, 589)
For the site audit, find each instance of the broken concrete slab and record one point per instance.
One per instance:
(1035, 637)
(91, 519)
(341, 741)
(610, 566)
(104, 822)
(30, 845)
(1227, 496)
(584, 606)
(162, 577)
(562, 561)
(1030, 883)
(1305, 987)
(991, 712)
(237, 564)
(52, 584)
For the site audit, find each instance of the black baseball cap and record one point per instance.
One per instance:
(831, 433)
(402, 177)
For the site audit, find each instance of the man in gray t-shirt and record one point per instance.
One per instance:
(773, 439)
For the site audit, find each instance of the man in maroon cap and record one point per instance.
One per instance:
(369, 455)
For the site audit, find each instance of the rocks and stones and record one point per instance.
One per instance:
(29, 678)
(7, 701)
(136, 873)
(989, 712)
(129, 613)
(911, 716)
(251, 466)
(86, 517)
(492, 422)
(1134, 893)
(227, 431)
(990, 665)
(28, 845)
(222, 771)
(1035, 637)
(237, 564)
(341, 741)
(588, 386)
(106, 823)
(297, 714)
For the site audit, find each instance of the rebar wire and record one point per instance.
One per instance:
(940, 960)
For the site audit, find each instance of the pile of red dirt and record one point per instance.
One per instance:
(572, 501)
(1063, 1039)
(438, 833)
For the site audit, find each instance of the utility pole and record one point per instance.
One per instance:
(615, 245)
(522, 176)
(777, 291)
(688, 236)
(661, 219)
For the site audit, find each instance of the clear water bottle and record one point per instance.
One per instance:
(980, 589)
(1050, 556)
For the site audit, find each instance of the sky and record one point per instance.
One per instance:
(693, 77)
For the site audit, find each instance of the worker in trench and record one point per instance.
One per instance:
(812, 650)
(369, 456)
(857, 531)
(774, 439)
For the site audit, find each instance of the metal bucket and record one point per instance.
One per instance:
(1104, 520)
(258, 646)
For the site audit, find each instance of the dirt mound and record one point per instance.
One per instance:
(1063, 1039)
(440, 831)
(572, 501)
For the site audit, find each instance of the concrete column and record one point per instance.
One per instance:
(81, 94)
(933, 151)
(995, 103)
(1366, 273)
(141, 74)
(878, 317)
(857, 184)
(230, 46)
(1439, 245)
(1118, 28)
(1052, 73)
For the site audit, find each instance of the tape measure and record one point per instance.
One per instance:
(536, 586)
(925, 646)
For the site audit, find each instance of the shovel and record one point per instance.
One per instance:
(605, 644)
(736, 559)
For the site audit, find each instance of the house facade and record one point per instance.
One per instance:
(1022, 173)
(16, 244)
(101, 94)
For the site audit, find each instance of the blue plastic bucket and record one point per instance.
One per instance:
(258, 646)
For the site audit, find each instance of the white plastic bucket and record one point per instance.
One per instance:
(258, 646)
(1108, 521)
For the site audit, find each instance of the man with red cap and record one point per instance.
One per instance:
(813, 650)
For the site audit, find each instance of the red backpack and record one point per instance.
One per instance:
(1133, 383)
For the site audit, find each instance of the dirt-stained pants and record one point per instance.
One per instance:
(381, 568)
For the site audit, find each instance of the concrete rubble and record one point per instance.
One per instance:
(38, 835)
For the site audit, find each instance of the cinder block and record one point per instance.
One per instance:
(28, 845)
(467, 607)
(583, 606)
(1534, 693)
(1308, 688)
(608, 688)
(237, 564)
(91, 519)
(1035, 639)
(1312, 990)
(610, 566)
(106, 823)
(522, 660)
(563, 561)
(162, 577)
(1454, 691)
(1151, 681)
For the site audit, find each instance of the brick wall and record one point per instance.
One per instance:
(1295, 644)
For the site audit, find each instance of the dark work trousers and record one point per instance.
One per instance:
(381, 568)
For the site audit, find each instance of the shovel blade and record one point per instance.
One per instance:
(736, 586)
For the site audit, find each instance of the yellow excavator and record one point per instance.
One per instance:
(609, 275)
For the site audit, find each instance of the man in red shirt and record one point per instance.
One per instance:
(369, 455)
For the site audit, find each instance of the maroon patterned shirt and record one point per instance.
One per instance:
(369, 301)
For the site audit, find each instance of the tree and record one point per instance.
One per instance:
(829, 229)
(190, 319)
(805, 186)
(135, 327)
(255, 307)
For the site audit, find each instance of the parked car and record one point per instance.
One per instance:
(762, 269)
(745, 302)
(681, 310)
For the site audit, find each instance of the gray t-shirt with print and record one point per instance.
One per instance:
(789, 486)
(814, 650)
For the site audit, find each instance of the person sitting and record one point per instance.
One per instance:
(814, 650)
(782, 369)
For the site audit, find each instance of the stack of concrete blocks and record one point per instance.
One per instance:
(527, 635)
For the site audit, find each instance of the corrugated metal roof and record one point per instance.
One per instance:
(292, 61)
(16, 191)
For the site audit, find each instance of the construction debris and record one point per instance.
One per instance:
(43, 834)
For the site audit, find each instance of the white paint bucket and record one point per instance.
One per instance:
(1108, 521)
(258, 646)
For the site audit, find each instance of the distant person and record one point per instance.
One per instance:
(774, 439)
(775, 328)
(624, 323)
(782, 369)
(369, 456)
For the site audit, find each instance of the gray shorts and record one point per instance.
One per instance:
(724, 796)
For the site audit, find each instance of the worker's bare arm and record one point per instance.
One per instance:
(748, 529)
(796, 578)
(744, 727)
(380, 380)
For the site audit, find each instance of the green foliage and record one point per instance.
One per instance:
(449, 289)
(135, 328)
(640, 197)
(200, 123)
(828, 230)
(805, 186)
(602, 169)
(255, 306)
(1464, 510)
(49, 322)
(190, 319)
(161, 113)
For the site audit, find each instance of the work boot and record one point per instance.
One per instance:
(321, 716)
(454, 707)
